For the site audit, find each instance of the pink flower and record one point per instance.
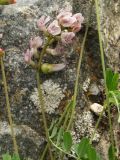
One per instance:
(63, 14)
(54, 28)
(67, 37)
(36, 42)
(67, 21)
(27, 56)
(76, 27)
(79, 17)
(42, 22)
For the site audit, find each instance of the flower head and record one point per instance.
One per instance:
(63, 14)
(79, 17)
(67, 21)
(36, 42)
(54, 28)
(67, 37)
(76, 27)
(27, 56)
(42, 22)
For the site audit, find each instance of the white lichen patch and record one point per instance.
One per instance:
(53, 94)
(84, 126)
(86, 84)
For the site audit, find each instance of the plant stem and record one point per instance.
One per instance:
(44, 152)
(97, 124)
(8, 106)
(78, 70)
(42, 103)
(62, 149)
(67, 109)
(104, 74)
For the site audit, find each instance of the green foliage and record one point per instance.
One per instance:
(8, 157)
(67, 141)
(54, 132)
(82, 147)
(80, 151)
(112, 80)
(110, 153)
(59, 135)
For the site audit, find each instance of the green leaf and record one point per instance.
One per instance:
(82, 148)
(67, 140)
(15, 157)
(92, 154)
(59, 136)
(111, 154)
(75, 148)
(115, 80)
(6, 157)
(54, 132)
(112, 80)
(114, 98)
(109, 76)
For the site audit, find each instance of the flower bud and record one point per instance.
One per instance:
(1, 52)
(49, 68)
(7, 2)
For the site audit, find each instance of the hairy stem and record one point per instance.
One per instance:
(41, 99)
(78, 71)
(104, 74)
(8, 107)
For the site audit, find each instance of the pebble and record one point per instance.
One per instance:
(96, 108)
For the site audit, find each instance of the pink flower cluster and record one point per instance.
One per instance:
(34, 45)
(65, 25)
(63, 28)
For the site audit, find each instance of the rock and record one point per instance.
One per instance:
(84, 127)
(110, 23)
(96, 108)
(94, 89)
(18, 25)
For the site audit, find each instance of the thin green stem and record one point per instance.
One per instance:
(104, 74)
(64, 113)
(67, 108)
(8, 107)
(97, 124)
(60, 149)
(78, 70)
(50, 40)
(42, 103)
(44, 152)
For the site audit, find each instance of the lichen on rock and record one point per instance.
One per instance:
(84, 126)
(52, 93)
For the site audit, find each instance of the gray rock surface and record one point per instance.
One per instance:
(17, 26)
